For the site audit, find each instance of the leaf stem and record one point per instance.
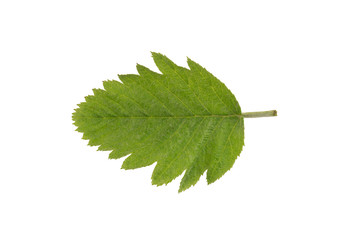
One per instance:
(271, 113)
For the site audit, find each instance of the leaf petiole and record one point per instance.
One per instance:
(271, 113)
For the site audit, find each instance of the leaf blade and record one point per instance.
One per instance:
(183, 119)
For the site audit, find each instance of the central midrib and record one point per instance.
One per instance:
(189, 116)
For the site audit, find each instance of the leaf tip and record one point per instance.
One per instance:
(154, 54)
(183, 187)
(139, 67)
(211, 178)
(158, 56)
(155, 183)
(191, 63)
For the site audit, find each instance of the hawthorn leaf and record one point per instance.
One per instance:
(182, 120)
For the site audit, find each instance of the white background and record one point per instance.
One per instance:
(297, 177)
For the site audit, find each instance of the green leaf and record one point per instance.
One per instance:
(183, 119)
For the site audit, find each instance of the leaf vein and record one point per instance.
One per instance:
(175, 96)
(155, 97)
(192, 91)
(212, 87)
(176, 157)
